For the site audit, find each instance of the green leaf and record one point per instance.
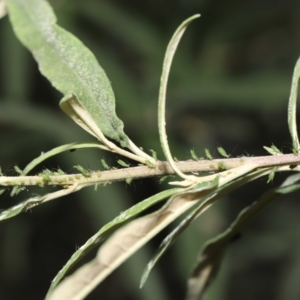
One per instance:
(166, 243)
(163, 178)
(31, 202)
(292, 107)
(123, 243)
(67, 63)
(210, 257)
(58, 150)
(107, 230)
(206, 202)
(169, 55)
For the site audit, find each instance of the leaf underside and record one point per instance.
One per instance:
(67, 63)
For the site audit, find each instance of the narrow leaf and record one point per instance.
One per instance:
(206, 202)
(292, 107)
(128, 239)
(210, 258)
(34, 201)
(67, 63)
(171, 237)
(170, 52)
(58, 150)
(99, 237)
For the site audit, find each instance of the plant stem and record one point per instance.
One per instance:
(161, 168)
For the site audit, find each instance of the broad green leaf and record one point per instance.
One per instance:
(292, 107)
(104, 232)
(211, 255)
(67, 63)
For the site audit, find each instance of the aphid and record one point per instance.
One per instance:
(123, 163)
(208, 155)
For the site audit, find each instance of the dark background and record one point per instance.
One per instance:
(229, 87)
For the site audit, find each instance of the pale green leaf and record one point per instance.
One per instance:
(202, 207)
(171, 237)
(128, 239)
(34, 201)
(58, 150)
(67, 63)
(292, 107)
(211, 255)
(106, 230)
(169, 55)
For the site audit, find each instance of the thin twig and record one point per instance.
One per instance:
(161, 168)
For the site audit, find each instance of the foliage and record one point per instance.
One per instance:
(89, 101)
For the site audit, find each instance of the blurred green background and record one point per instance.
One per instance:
(229, 87)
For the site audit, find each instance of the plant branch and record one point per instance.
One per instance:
(161, 168)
